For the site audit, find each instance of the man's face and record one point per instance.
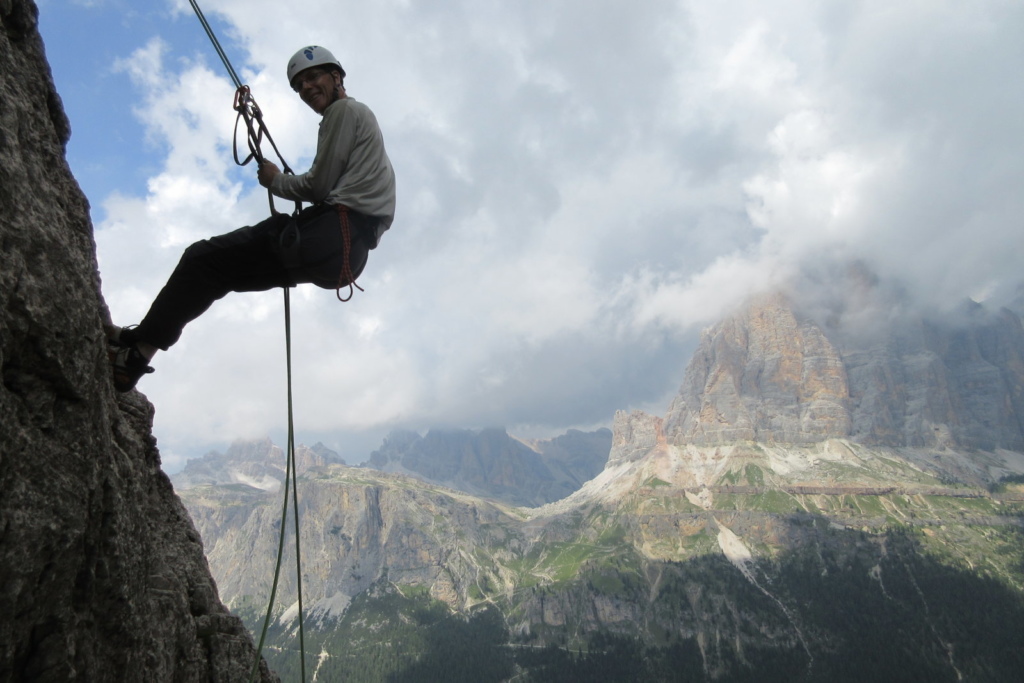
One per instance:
(316, 86)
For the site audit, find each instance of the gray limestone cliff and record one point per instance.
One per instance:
(358, 525)
(102, 573)
(634, 434)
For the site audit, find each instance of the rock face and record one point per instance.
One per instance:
(954, 382)
(357, 525)
(101, 570)
(492, 463)
(762, 375)
(772, 375)
(634, 435)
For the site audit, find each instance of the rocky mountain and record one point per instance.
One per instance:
(102, 573)
(257, 463)
(493, 464)
(767, 528)
(762, 375)
(768, 375)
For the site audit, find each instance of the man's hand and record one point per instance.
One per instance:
(267, 172)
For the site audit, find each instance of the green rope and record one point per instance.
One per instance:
(248, 110)
(295, 477)
(290, 476)
(216, 44)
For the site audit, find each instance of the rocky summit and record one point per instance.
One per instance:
(765, 374)
(102, 573)
(821, 502)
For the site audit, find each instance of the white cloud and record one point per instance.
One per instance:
(582, 186)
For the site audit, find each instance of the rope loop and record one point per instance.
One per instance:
(249, 112)
(346, 278)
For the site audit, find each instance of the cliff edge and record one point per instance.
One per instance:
(102, 573)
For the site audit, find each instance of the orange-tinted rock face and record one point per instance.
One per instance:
(768, 374)
(762, 375)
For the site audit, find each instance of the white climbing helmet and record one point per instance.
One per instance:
(309, 56)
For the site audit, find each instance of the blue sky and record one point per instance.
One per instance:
(84, 41)
(583, 186)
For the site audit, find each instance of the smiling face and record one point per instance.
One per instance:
(318, 87)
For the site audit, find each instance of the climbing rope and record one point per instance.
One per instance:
(290, 477)
(250, 113)
(216, 44)
(290, 458)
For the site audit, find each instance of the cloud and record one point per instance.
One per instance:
(582, 187)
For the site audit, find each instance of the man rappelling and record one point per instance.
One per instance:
(351, 187)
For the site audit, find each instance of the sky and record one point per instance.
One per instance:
(583, 186)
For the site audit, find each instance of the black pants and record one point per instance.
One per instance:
(251, 259)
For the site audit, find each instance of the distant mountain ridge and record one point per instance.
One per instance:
(257, 463)
(488, 462)
(493, 464)
(818, 504)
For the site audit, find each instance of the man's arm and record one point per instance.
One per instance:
(334, 145)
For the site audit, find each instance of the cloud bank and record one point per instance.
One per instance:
(582, 187)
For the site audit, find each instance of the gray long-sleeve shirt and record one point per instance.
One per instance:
(351, 166)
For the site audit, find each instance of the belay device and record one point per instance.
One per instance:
(249, 113)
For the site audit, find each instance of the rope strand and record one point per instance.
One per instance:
(346, 278)
(249, 112)
(216, 44)
(295, 479)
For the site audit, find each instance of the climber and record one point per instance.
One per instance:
(351, 186)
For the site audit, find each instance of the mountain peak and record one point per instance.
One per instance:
(634, 434)
(763, 374)
(772, 373)
(257, 463)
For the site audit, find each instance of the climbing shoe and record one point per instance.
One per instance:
(129, 365)
(121, 337)
(127, 362)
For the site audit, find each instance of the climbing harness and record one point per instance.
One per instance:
(250, 113)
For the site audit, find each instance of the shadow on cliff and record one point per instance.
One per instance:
(457, 651)
(844, 606)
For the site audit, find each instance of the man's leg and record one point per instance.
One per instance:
(245, 260)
